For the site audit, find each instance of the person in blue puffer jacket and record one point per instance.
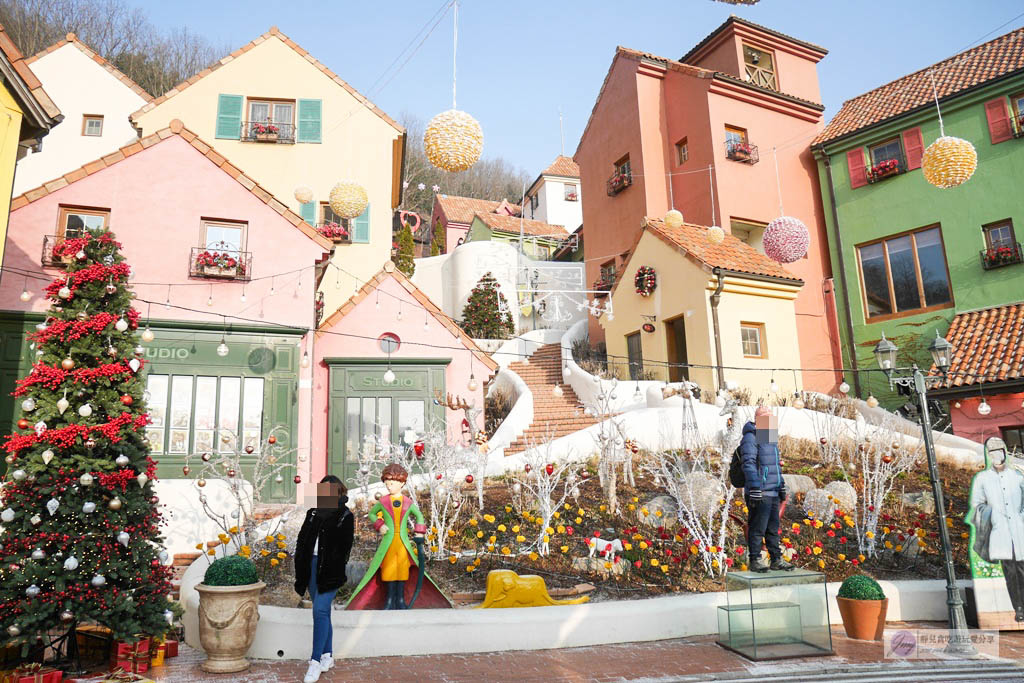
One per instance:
(765, 489)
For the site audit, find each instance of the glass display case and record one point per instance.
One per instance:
(775, 615)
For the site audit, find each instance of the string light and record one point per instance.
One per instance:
(472, 384)
(243, 294)
(167, 305)
(426, 327)
(305, 359)
(209, 299)
(25, 294)
(399, 316)
(273, 281)
(222, 348)
(984, 408)
(376, 304)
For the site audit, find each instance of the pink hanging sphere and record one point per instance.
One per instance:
(786, 239)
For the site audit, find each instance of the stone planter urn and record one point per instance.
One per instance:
(228, 616)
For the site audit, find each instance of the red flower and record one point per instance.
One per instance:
(855, 561)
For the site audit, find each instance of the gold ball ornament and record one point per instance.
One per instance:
(674, 218)
(949, 162)
(453, 141)
(348, 199)
(303, 195)
(716, 235)
(114, 504)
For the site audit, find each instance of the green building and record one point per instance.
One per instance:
(540, 240)
(907, 256)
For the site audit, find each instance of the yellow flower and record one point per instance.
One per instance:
(476, 562)
(223, 538)
(785, 540)
(451, 533)
(199, 546)
(280, 537)
(470, 568)
(556, 514)
(607, 565)
(643, 545)
(479, 534)
(452, 559)
(549, 530)
(817, 551)
(245, 549)
(492, 538)
(714, 563)
(899, 548)
(745, 510)
(743, 567)
(515, 529)
(921, 543)
(264, 552)
(489, 519)
(581, 512)
(433, 548)
(693, 550)
(505, 550)
(282, 555)
(433, 529)
(721, 501)
(281, 546)
(472, 522)
(842, 557)
(658, 513)
(490, 547)
(654, 563)
(807, 521)
(508, 508)
(561, 529)
(501, 527)
(520, 538)
(567, 506)
(869, 534)
(564, 548)
(849, 523)
(269, 539)
(631, 507)
(861, 558)
(821, 564)
(737, 502)
(818, 523)
(233, 530)
(888, 545)
(627, 546)
(949, 522)
(885, 529)
(965, 535)
(664, 568)
(579, 520)
(534, 556)
(546, 539)
(644, 511)
(795, 526)
(920, 533)
(274, 562)
(211, 551)
(602, 507)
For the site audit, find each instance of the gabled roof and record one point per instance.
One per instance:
(988, 346)
(462, 209)
(40, 110)
(733, 19)
(176, 127)
(72, 39)
(995, 59)
(732, 255)
(497, 221)
(390, 271)
(272, 33)
(564, 167)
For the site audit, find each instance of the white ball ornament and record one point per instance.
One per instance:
(13, 630)
(786, 239)
(147, 335)
(32, 591)
(715, 235)
(453, 141)
(62, 405)
(121, 325)
(844, 388)
(122, 460)
(64, 292)
(984, 408)
(949, 162)
(28, 405)
(98, 580)
(163, 556)
(86, 479)
(7, 516)
(19, 475)
(88, 507)
(38, 554)
(52, 505)
(673, 218)
(71, 564)
(123, 538)
(85, 410)
(348, 199)
(303, 194)
(142, 479)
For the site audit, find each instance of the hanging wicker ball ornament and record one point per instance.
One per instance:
(786, 239)
(716, 235)
(673, 218)
(949, 162)
(303, 195)
(348, 199)
(453, 141)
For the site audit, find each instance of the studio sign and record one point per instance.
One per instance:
(167, 354)
(406, 382)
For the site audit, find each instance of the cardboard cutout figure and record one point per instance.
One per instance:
(392, 578)
(996, 519)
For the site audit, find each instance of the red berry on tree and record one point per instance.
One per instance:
(271, 439)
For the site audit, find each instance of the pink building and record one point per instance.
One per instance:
(454, 215)
(703, 134)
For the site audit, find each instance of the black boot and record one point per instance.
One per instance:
(390, 603)
(400, 595)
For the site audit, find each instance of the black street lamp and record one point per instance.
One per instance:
(912, 378)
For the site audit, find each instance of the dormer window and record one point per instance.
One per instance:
(760, 67)
(571, 195)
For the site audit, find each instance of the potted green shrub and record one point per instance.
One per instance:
(863, 605)
(228, 613)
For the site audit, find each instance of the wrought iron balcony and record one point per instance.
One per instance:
(887, 169)
(619, 182)
(268, 131)
(1005, 255)
(741, 151)
(219, 261)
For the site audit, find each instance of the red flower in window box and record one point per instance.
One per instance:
(334, 231)
(266, 132)
(884, 169)
(219, 263)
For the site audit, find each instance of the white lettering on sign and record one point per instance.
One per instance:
(399, 382)
(167, 354)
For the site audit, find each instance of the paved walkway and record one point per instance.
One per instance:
(668, 660)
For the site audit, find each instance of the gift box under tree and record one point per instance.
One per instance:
(133, 657)
(37, 673)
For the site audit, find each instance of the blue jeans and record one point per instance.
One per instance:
(323, 632)
(763, 527)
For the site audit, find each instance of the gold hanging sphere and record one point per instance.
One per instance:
(673, 218)
(348, 199)
(949, 162)
(303, 195)
(453, 141)
(716, 235)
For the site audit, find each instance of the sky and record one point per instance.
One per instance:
(519, 64)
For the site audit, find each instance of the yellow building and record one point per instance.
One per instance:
(712, 305)
(275, 112)
(28, 115)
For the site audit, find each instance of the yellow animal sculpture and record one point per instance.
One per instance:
(505, 588)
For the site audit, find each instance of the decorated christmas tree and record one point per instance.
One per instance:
(486, 314)
(81, 532)
(405, 260)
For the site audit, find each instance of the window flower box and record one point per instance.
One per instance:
(1004, 255)
(572, 197)
(220, 264)
(265, 132)
(744, 152)
(334, 232)
(619, 182)
(604, 285)
(885, 169)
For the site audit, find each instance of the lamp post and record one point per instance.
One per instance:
(912, 378)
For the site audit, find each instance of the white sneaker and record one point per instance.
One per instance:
(313, 672)
(326, 661)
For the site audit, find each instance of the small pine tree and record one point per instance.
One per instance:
(434, 249)
(404, 260)
(439, 237)
(486, 314)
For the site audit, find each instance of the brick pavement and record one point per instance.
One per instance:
(666, 659)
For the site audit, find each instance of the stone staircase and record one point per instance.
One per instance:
(553, 416)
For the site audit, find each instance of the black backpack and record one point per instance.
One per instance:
(736, 477)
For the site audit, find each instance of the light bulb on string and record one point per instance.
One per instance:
(472, 385)
(26, 295)
(984, 408)
(773, 387)
(398, 317)
(167, 304)
(426, 327)
(376, 304)
(305, 359)
(222, 348)
(273, 281)
(209, 299)
(243, 294)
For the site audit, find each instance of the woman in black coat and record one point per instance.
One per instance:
(321, 553)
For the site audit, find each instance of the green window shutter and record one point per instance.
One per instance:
(308, 213)
(361, 227)
(309, 120)
(229, 117)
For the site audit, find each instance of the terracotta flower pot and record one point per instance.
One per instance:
(228, 616)
(863, 619)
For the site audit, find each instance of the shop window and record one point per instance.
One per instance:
(760, 67)
(1014, 438)
(634, 350)
(92, 125)
(204, 414)
(752, 338)
(682, 152)
(73, 222)
(904, 275)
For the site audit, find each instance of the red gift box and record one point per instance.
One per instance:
(172, 648)
(132, 657)
(37, 673)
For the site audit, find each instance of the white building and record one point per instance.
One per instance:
(96, 100)
(554, 197)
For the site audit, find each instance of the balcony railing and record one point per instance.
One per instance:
(49, 243)
(264, 131)
(887, 169)
(220, 263)
(741, 151)
(619, 182)
(1005, 255)
(604, 285)
(339, 233)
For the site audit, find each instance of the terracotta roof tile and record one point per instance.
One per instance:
(967, 69)
(248, 46)
(732, 254)
(391, 271)
(462, 209)
(530, 227)
(175, 128)
(563, 166)
(988, 346)
(21, 67)
(72, 39)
